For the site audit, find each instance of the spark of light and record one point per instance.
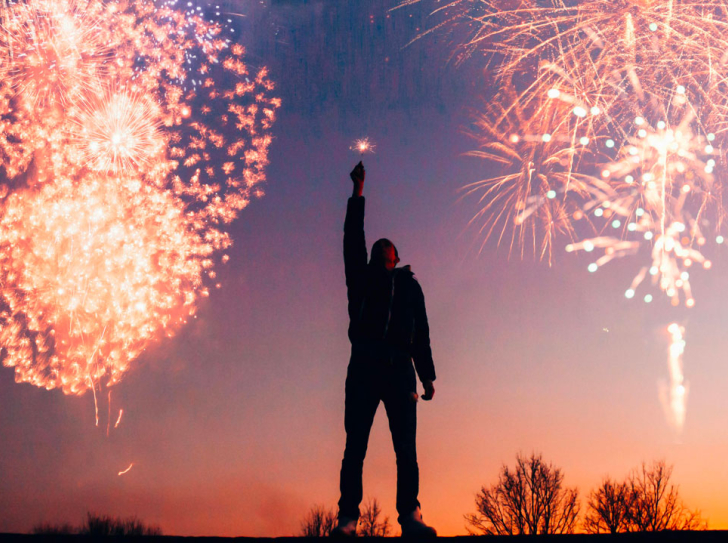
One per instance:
(363, 146)
(126, 470)
(108, 415)
(118, 420)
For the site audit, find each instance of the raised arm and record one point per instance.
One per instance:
(357, 176)
(355, 249)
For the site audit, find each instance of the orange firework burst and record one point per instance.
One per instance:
(119, 133)
(92, 270)
(619, 38)
(51, 51)
(120, 167)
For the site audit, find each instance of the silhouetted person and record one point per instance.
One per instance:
(388, 330)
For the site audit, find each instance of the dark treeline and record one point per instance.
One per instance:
(531, 498)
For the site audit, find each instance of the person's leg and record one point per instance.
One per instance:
(362, 400)
(401, 405)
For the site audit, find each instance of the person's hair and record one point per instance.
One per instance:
(378, 250)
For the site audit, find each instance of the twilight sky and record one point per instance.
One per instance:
(235, 427)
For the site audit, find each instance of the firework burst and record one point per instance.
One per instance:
(132, 134)
(118, 133)
(538, 195)
(606, 127)
(660, 194)
(621, 40)
(601, 111)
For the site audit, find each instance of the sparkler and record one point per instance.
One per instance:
(130, 136)
(363, 146)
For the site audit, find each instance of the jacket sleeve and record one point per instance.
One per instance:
(355, 248)
(421, 351)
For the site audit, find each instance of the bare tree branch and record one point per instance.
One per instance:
(527, 500)
(645, 502)
(369, 523)
(654, 503)
(607, 508)
(318, 522)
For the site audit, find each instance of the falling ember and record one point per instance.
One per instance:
(125, 151)
(108, 415)
(363, 146)
(118, 420)
(96, 402)
(127, 469)
(674, 396)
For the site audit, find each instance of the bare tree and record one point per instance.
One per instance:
(318, 522)
(608, 508)
(369, 523)
(654, 503)
(527, 500)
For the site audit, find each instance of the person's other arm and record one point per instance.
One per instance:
(422, 352)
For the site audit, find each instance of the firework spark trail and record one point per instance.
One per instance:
(674, 396)
(130, 136)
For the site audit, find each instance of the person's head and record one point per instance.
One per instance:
(384, 254)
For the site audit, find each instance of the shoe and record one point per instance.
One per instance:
(345, 528)
(413, 526)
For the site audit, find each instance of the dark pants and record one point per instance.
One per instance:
(371, 379)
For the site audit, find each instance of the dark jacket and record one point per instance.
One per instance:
(386, 309)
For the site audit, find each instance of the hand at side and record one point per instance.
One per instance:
(429, 390)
